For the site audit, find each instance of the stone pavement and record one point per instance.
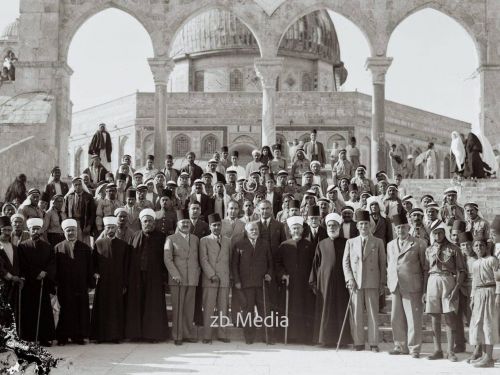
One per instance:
(238, 358)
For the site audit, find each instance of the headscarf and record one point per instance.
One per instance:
(457, 148)
(4, 208)
(488, 155)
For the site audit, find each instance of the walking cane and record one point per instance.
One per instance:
(286, 310)
(178, 307)
(265, 310)
(345, 319)
(19, 309)
(39, 310)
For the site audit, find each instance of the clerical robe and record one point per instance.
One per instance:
(74, 277)
(146, 310)
(332, 296)
(295, 258)
(35, 257)
(110, 260)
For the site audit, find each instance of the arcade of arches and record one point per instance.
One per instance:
(273, 41)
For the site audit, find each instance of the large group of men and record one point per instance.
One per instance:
(231, 240)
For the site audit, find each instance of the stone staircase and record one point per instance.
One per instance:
(486, 193)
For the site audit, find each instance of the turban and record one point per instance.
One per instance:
(68, 223)
(34, 222)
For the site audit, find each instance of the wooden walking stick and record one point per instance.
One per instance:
(265, 310)
(178, 307)
(39, 310)
(345, 319)
(19, 309)
(286, 310)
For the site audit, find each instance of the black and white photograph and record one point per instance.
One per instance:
(261, 187)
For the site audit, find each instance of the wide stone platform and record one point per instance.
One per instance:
(257, 359)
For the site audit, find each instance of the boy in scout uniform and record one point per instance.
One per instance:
(405, 279)
(479, 227)
(444, 273)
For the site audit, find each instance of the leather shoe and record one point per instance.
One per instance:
(395, 351)
(436, 355)
(206, 341)
(190, 340)
(224, 340)
(459, 349)
(374, 349)
(178, 342)
(415, 355)
(359, 348)
(452, 357)
(484, 363)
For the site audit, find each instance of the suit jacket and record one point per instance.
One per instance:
(197, 172)
(274, 235)
(234, 231)
(250, 264)
(320, 235)
(88, 209)
(405, 266)
(50, 189)
(181, 259)
(353, 230)
(200, 230)
(215, 260)
(5, 265)
(382, 229)
(171, 175)
(101, 174)
(366, 266)
(206, 205)
(308, 150)
(277, 203)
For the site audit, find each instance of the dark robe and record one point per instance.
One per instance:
(97, 143)
(474, 164)
(295, 259)
(146, 310)
(200, 230)
(11, 289)
(74, 276)
(332, 296)
(110, 261)
(35, 257)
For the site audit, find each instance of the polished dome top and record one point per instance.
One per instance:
(11, 31)
(218, 30)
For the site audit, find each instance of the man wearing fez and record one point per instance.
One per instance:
(417, 227)
(146, 310)
(479, 227)
(272, 195)
(171, 174)
(443, 274)
(181, 260)
(193, 169)
(252, 264)
(121, 187)
(9, 264)
(74, 276)
(111, 263)
(224, 161)
(37, 263)
(166, 216)
(451, 210)
(315, 232)
(79, 205)
(405, 279)
(215, 255)
(294, 210)
(101, 145)
(203, 199)
(327, 281)
(294, 260)
(133, 211)
(364, 266)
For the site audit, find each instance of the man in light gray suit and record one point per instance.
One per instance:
(315, 150)
(365, 275)
(405, 279)
(215, 254)
(181, 260)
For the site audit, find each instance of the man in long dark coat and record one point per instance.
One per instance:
(74, 276)
(36, 263)
(327, 280)
(110, 261)
(293, 266)
(101, 145)
(146, 310)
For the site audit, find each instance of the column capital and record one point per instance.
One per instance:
(378, 66)
(161, 69)
(268, 69)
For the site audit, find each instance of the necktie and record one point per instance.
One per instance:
(77, 203)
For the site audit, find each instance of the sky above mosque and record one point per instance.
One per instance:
(434, 66)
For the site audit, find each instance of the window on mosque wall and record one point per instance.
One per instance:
(236, 80)
(181, 145)
(199, 80)
(8, 72)
(209, 146)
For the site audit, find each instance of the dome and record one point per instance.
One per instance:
(11, 31)
(220, 31)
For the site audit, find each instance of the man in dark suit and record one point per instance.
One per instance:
(252, 265)
(9, 264)
(212, 169)
(272, 195)
(203, 199)
(96, 171)
(314, 232)
(79, 205)
(194, 170)
(315, 150)
(171, 174)
(101, 144)
(56, 186)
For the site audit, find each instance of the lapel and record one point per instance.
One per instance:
(367, 249)
(184, 242)
(3, 254)
(377, 225)
(216, 247)
(408, 245)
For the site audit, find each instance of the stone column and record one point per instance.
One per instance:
(268, 71)
(378, 67)
(62, 74)
(161, 69)
(489, 117)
